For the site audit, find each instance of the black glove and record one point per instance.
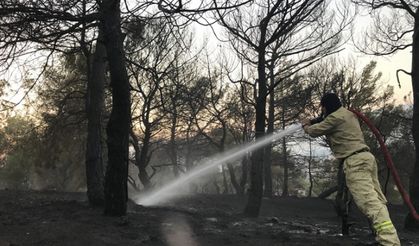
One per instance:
(316, 120)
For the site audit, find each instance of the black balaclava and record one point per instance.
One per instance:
(331, 102)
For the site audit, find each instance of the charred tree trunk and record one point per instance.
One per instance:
(233, 179)
(244, 163)
(256, 174)
(139, 163)
(268, 148)
(244, 175)
(188, 154)
(173, 147)
(310, 174)
(118, 127)
(230, 167)
(94, 110)
(216, 186)
(144, 157)
(285, 190)
(188, 157)
(410, 223)
(225, 182)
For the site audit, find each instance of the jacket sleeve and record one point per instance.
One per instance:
(323, 127)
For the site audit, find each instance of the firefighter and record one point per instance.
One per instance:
(342, 129)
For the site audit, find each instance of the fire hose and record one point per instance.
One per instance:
(389, 162)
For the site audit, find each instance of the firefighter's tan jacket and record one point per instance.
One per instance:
(347, 143)
(342, 131)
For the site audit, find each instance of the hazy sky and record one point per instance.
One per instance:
(389, 65)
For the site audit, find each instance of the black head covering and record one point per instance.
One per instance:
(331, 102)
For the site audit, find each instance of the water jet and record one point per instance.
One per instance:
(168, 191)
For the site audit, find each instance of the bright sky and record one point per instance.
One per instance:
(389, 65)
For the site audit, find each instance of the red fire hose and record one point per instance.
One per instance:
(389, 163)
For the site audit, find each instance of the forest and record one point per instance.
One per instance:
(106, 101)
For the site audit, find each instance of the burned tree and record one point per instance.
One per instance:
(118, 128)
(159, 69)
(253, 37)
(94, 113)
(216, 108)
(241, 113)
(48, 27)
(390, 34)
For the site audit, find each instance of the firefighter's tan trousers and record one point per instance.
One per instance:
(362, 180)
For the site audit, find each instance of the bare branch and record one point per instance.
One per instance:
(397, 75)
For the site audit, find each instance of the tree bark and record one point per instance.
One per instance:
(268, 149)
(233, 179)
(244, 161)
(216, 186)
(256, 173)
(94, 110)
(188, 151)
(310, 174)
(143, 161)
(410, 223)
(225, 183)
(285, 190)
(116, 193)
(140, 159)
(172, 145)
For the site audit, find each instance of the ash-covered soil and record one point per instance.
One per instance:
(56, 218)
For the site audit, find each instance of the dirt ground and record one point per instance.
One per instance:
(55, 218)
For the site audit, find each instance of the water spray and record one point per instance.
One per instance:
(169, 190)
